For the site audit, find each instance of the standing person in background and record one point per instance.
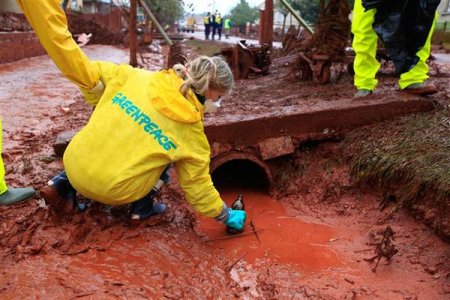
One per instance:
(207, 23)
(227, 27)
(214, 25)
(219, 24)
(405, 29)
(10, 195)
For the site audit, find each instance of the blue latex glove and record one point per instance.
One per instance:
(236, 219)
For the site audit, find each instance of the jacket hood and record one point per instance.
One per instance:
(171, 103)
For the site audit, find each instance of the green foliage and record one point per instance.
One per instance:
(441, 34)
(166, 11)
(309, 9)
(446, 46)
(281, 8)
(243, 13)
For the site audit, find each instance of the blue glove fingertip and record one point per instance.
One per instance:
(236, 219)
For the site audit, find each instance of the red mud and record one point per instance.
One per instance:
(307, 250)
(312, 242)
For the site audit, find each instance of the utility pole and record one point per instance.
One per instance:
(132, 34)
(269, 22)
(266, 24)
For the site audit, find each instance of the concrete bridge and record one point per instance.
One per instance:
(257, 140)
(254, 140)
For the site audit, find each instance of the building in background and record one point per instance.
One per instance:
(98, 6)
(278, 18)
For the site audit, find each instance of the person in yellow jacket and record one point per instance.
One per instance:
(366, 65)
(207, 24)
(217, 24)
(10, 196)
(227, 26)
(143, 122)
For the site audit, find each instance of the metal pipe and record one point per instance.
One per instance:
(161, 30)
(294, 13)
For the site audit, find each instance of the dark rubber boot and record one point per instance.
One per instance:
(145, 208)
(15, 195)
(57, 203)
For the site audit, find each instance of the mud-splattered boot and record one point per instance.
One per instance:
(421, 89)
(60, 195)
(15, 195)
(362, 93)
(145, 208)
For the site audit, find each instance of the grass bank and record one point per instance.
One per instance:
(413, 155)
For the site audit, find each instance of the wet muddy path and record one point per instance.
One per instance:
(310, 242)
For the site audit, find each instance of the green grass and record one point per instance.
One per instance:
(441, 34)
(414, 155)
(440, 26)
(446, 46)
(208, 48)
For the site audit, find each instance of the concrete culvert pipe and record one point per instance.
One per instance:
(240, 169)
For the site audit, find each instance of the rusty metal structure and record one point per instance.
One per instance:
(247, 60)
(266, 24)
(327, 45)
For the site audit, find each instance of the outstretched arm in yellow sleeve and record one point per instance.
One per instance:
(194, 178)
(49, 22)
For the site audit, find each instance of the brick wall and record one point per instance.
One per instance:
(18, 45)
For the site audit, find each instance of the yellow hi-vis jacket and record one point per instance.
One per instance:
(141, 123)
(227, 23)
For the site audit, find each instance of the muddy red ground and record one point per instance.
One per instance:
(312, 243)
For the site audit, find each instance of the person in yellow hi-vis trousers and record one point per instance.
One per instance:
(11, 195)
(366, 65)
(143, 123)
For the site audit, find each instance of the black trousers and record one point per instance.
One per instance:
(207, 31)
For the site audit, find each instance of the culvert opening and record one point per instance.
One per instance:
(240, 173)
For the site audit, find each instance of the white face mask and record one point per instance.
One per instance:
(211, 106)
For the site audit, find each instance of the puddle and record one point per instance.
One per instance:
(282, 238)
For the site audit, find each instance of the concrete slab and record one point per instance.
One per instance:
(228, 132)
(311, 118)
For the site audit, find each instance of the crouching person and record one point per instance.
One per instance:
(143, 122)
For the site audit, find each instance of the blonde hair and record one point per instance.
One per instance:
(205, 73)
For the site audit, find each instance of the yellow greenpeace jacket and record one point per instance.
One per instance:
(141, 123)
